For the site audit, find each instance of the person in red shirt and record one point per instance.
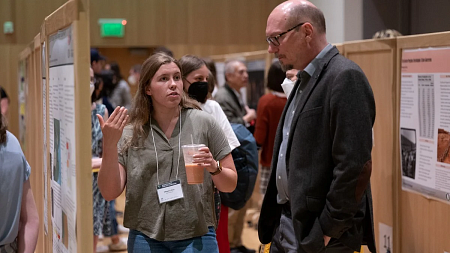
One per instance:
(270, 107)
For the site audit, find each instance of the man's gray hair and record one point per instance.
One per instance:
(230, 67)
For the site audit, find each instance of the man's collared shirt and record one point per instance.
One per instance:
(303, 79)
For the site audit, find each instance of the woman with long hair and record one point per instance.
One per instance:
(198, 83)
(19, 217)
(145, 155)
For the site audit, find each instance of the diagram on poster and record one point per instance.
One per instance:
(62, 140)
(425, 122)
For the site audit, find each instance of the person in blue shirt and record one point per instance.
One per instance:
(19, 221)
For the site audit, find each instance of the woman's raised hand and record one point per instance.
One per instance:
(113, 127)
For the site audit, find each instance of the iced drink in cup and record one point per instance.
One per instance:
(194, 172)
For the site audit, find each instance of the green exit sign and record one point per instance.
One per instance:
(112, 27)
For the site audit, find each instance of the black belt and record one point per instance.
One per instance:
(286, 210)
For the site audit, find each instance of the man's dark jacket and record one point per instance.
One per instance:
(328, 160)
(229, 102)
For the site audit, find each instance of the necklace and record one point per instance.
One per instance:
(156, 152)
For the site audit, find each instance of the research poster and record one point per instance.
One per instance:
(62, 140)
(425, 122)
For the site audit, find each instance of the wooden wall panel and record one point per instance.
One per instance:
(27, 17)
(194, 23)
(377, 59)
(423, 222)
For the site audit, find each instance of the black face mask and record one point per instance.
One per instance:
(198, 91)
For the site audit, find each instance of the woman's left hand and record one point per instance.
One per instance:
(205, 159)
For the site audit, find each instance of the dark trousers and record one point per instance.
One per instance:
(284, 240)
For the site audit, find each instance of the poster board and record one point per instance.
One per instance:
(59, 54)
(377, 58)
(423, 221)
(425, 122)
(67, 52)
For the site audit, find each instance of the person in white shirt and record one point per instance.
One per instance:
(198, 83)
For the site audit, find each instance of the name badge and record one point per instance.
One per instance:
(169, 191)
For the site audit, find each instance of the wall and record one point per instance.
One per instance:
(27, 16)
(429, 16)
(196, 26)
(406, 16)
(343, 19)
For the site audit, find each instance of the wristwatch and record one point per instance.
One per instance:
(219, 169)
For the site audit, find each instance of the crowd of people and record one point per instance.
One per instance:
(313, 128)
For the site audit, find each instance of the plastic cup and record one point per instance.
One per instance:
(194, 172)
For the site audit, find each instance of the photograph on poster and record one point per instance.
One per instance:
(409, 144)
(57, 152)
(443, 146)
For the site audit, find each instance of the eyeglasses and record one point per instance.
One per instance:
(274, 39)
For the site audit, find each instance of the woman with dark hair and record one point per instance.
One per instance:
(198, 85)
(19, 218)
(4, 102)
(105, 221)
(212, 67)
(147, 157)
(270, 108)
(120, 93)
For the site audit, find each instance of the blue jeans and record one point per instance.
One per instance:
(140, 243)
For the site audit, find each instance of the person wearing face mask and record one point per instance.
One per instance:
(98, 203)
(102, 223)
(270, 108)
(134, 74)
(289, 81)
(196, 77)
(120, 91)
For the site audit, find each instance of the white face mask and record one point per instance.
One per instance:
(132, 80)
(287, 86)
(92, 87)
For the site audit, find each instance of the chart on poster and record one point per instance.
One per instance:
(62, 140)
(425, 122)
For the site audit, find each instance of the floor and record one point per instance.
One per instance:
(249, 236)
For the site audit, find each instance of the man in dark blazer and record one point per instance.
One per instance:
(319, 197)
(229, 96)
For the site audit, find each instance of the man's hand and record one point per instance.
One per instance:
(251, 114)
(326, 239)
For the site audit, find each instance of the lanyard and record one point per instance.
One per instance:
(156, 152)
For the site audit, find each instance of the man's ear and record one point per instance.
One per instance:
(308, 30)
